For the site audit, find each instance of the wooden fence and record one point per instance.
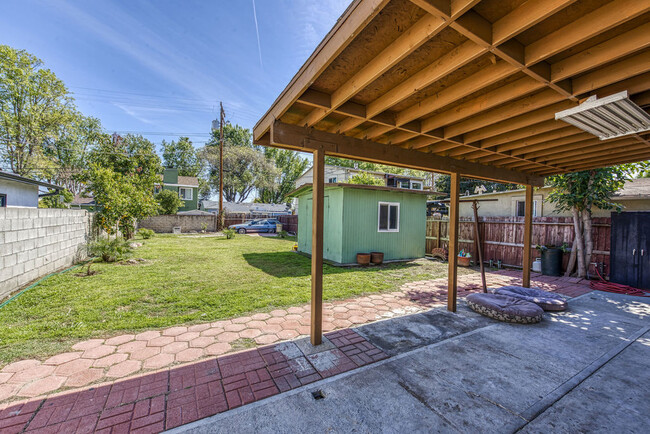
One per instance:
(289, 222)
(503, 237)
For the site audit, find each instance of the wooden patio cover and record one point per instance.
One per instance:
(464, 87)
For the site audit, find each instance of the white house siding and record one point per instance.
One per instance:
(505, 205)
(19, 193)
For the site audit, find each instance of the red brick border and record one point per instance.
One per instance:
(164, 400)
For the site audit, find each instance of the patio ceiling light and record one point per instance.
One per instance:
(609, 117)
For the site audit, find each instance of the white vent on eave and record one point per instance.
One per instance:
(607, 118)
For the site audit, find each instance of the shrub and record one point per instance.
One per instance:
(110, 250)
(204, 227)
(283, 234)
(146, 233)
(229, 233)
(169, 202)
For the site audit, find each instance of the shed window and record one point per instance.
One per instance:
(185, 193)
(388, 220)
(520, 209)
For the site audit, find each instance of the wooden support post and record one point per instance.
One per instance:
(528, 235)
(453, 242)
(317, 247)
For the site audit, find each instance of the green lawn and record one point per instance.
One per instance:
(185, 280)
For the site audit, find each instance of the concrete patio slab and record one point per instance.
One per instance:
(584, 370)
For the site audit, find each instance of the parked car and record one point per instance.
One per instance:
(264, 225)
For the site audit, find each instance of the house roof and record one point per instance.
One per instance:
(468, 86)
(307, 187)
(374, 172)
(81, 200)
(191, 181)
(17, 178)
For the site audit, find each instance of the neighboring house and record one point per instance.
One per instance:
(635, 196)
(266, 209)
(364, 219)
(18, 191)
(187, 188)
(83, 202)
(338, 174)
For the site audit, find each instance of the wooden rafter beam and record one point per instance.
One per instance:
(307, 139)
(424, 29)
(592, 24)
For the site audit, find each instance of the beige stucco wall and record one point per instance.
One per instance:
(505, 205)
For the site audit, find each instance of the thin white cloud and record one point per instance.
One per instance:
(257, 32)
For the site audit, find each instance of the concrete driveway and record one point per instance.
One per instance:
(584, 370)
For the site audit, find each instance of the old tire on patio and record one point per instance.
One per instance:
(505, 308)
(546, 300)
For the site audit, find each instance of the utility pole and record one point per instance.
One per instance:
(221, 213)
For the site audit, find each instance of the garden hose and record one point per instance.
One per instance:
(603, 285)
(15, 296)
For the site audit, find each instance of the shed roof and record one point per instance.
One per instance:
(468, 86)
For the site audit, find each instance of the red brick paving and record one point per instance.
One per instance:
(97, 360)
(164, 400)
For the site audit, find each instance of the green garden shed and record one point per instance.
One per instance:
(364, 219)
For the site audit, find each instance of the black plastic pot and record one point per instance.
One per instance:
(552, 262)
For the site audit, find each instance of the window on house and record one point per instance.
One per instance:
(388, 220)
(520, 208)
(185, 193)
(3, 200)
(332, 180)
(416, 185)
(156, 189)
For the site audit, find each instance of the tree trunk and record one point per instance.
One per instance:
(589, 242)
(572, 257)
(578, 242)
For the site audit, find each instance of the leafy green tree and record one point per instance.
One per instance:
(169, 202)
(121, 177)
(61, 200)
(181, 155)
(579, 193)
(443, 184)
(366, 179)
(34, 108)
(290, 165)
(245, 166)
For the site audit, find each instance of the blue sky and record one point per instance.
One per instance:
(163, 66)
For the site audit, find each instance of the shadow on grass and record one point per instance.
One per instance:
(291, 264)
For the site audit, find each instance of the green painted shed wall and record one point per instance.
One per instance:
(350, 224)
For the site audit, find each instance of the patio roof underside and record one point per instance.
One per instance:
(468, 86)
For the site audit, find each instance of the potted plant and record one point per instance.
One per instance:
(363, 258)
(377, 257)
(552, 258)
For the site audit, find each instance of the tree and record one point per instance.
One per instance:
(34, 108)
(290, 165)
(181, 155)
(169, 202)
(579, 193)
(443, 184)
(366, 179)
(60, 200)
(245, 166)
(121, 177)
(68, 153)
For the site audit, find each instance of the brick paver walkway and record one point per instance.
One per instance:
(103, 360)
(164, 400)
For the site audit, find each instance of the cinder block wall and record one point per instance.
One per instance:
(35, 242)
(165, 223)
